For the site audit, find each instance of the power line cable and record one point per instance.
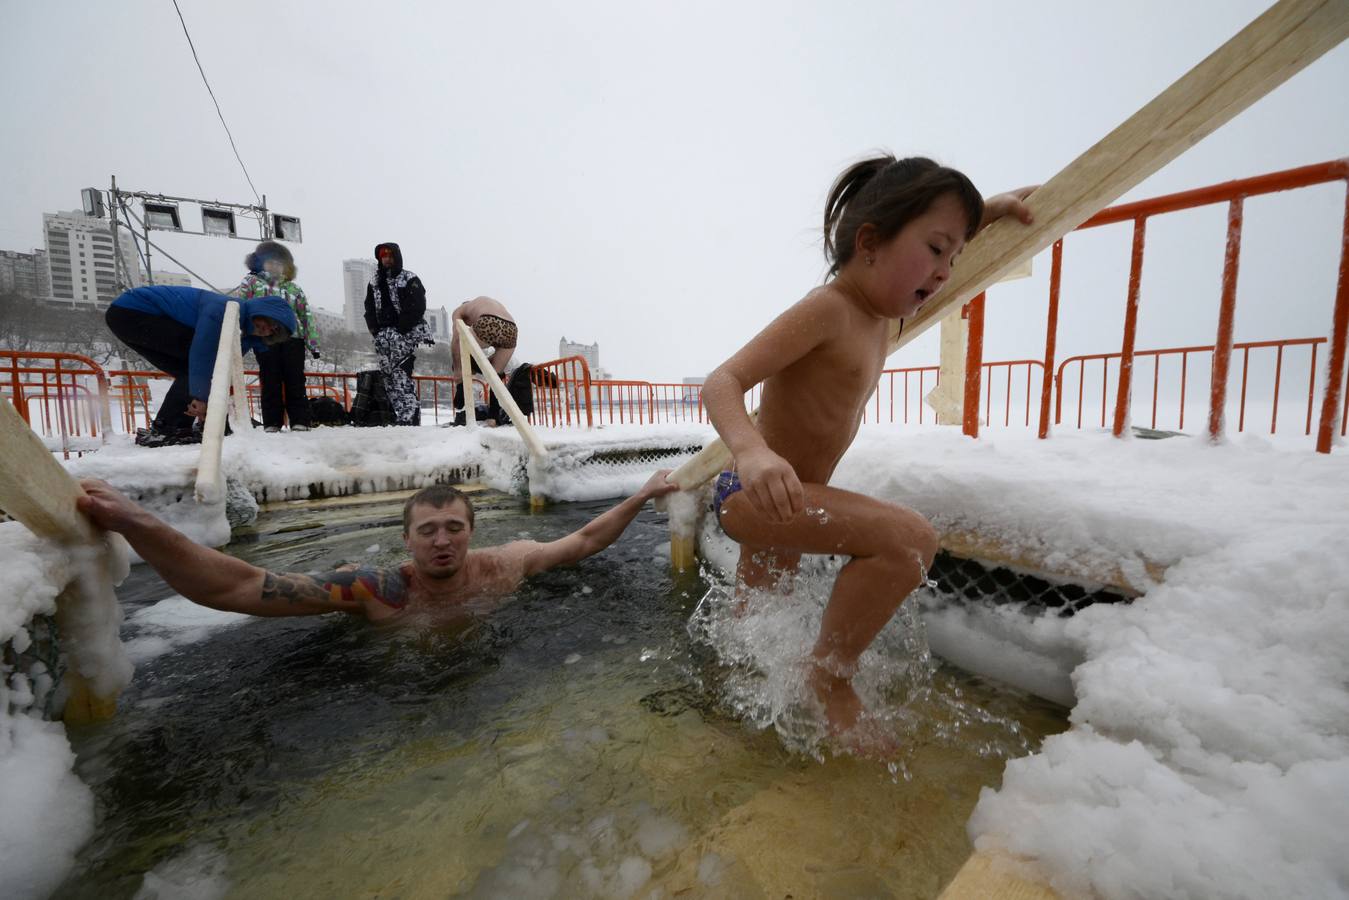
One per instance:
(216, 102)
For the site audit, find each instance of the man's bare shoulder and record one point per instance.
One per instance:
(502, 557)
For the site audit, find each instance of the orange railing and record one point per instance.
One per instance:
(1233, 193)
(130, 390)
(52, 392)
(561, 390)
(1182, 356)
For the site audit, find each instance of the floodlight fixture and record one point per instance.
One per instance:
(93, 202)
(162, 216)
(286, 228)
(218, 222)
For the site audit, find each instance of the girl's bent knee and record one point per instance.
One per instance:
(914, 534)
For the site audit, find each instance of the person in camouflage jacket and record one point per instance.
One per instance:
(271, 272)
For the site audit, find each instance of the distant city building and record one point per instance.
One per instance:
(691, 382)
(439, 322)
(176, 279)
(327, 322)
(589, 352)
(80, 259)
(356, 274)
(25, 273)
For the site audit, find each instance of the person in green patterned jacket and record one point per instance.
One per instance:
(271, 272)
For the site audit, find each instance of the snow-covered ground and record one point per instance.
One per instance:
(1209, 753)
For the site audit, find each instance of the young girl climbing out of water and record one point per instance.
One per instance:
(892, 231)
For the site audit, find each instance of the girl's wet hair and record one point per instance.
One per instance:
(888, 193)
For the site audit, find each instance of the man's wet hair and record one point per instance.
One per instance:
(437, 496)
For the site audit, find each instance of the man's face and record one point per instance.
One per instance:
(386, 258)
(438, 539)
(263, 327)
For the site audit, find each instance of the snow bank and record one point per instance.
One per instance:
(47, 812)
(1209, 754)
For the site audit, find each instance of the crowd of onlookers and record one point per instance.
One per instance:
(177, 329)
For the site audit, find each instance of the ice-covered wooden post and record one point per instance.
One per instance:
(538, 454)
(466, 375)
(947, 397)
(210, 481)
(37, 492)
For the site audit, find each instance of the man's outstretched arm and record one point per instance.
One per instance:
(600, 532)
(220, 581)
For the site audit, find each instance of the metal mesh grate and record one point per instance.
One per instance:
(31, 674)
(970, 581)
(642, 457)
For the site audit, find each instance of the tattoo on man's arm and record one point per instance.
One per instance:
(336, 588)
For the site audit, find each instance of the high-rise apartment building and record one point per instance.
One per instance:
(356, 274)
(438, 320)
(177, 279)
(80, 259)
(25, 274)
(327, 322)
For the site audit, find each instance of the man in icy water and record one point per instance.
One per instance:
(443, 581)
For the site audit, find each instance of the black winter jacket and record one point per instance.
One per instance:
(394, 298)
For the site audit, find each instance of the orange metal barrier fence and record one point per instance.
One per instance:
(561, 390)
(1233, 193)
(61, 395)
(1181, 355)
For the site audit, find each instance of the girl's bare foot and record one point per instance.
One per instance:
(845, 716)
(842, 706)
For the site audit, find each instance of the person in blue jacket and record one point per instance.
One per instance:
(178, 330)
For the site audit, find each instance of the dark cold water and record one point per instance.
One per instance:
(578, 743)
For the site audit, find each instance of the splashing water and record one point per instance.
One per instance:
(763, 641)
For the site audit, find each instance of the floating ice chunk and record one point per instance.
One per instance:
(648, 654)
(173, 622)
(710, 868)
(587, 589)
(517, 830)
(373, 548)
(572, 659)
(633, 872)
(197, 875)
(656, 836)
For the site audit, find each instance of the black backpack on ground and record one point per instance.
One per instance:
(371, 406)
(327, 411)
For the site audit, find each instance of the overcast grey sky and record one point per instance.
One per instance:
(651, 176)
